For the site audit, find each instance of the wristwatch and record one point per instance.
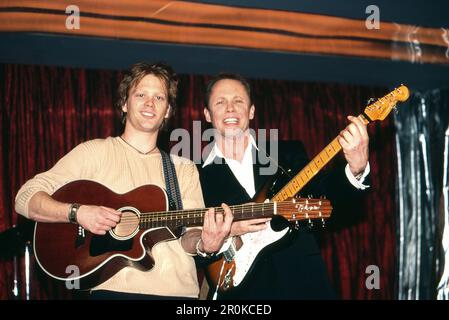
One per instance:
(73, 210)
(202, 253)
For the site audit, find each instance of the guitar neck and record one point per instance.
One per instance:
(308, 172)
(311, 169)
(195, 217)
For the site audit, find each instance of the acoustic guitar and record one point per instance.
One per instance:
(61, 248)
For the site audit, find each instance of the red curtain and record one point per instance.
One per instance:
(46, 111)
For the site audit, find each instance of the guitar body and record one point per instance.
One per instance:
(224, 272)
(68, 252)
(221, 272)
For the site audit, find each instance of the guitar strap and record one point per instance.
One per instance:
(171, 182)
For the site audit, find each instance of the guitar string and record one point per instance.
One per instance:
(166, 218)
(156, 223)
(243, 209)
(318, 213)
(167, 223)
(302, 216)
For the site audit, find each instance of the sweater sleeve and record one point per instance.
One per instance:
(78, 163)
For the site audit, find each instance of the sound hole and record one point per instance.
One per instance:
(128, 225)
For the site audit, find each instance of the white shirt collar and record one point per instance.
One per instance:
(216, 152)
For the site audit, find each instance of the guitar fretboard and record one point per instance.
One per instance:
(308, 172)
(195, 217)
(311, 169)
(291, 210)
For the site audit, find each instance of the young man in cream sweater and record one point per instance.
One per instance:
(147, 99)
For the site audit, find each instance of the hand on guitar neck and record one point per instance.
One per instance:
(354, 141)
(241, 227)
(216, 228)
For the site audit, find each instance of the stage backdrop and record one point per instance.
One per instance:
(46, 111)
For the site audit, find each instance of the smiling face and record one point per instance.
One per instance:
(147, 105)
(229, 109)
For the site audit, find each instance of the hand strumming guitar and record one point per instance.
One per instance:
(98, 220)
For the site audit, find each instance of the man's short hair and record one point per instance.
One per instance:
(138, 71)
(227, 76)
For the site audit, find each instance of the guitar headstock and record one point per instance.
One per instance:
(380, 109)
(297, 209)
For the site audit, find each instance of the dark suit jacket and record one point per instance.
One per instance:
(295, 269)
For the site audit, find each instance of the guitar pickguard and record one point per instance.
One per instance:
(253, 243)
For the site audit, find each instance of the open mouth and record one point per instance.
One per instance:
(148, 114)
(231, 120)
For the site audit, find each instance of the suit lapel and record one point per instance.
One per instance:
(260, 180)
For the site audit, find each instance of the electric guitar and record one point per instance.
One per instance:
(231, 269)
(145, 222)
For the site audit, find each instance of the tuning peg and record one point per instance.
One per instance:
(395, 110)
(296, 225)
(323, 223)
(310, 224)
(371, 101)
